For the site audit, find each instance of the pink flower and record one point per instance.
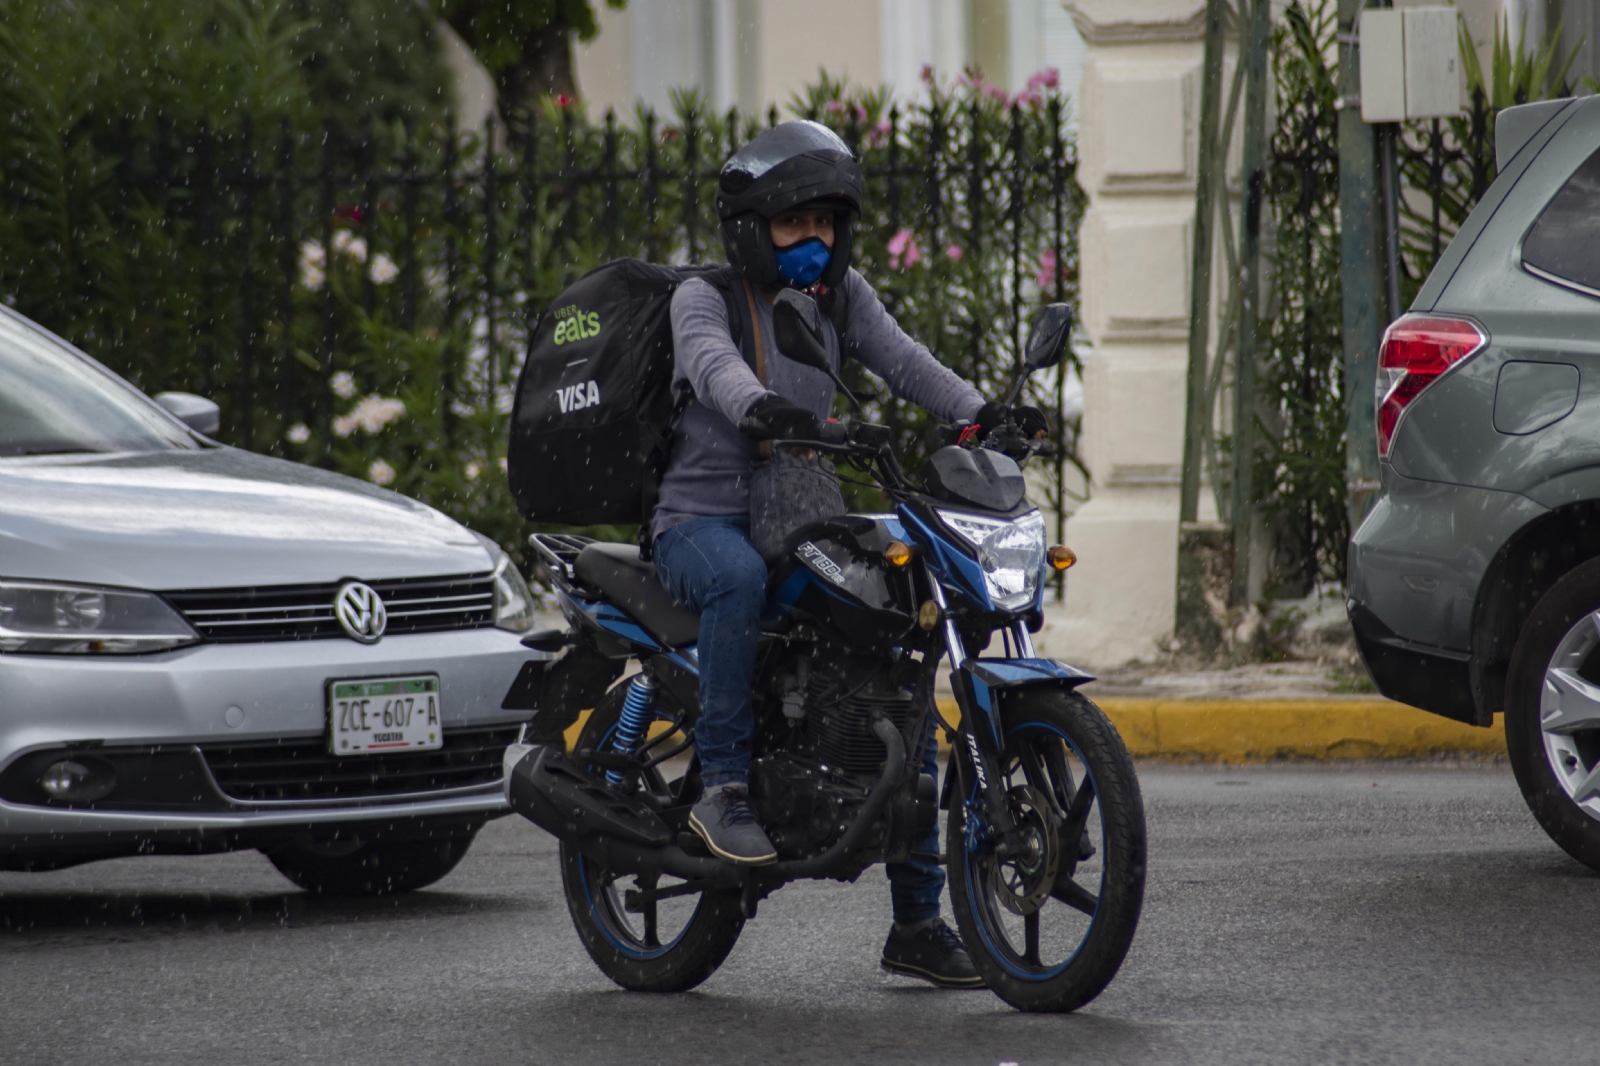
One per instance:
(994, 92)
(903, 251)
(954, 253)
(861, 113)
(563, 100)
(927, 73)
(1050, 270)
(835, 107)
(1048, 78)
(1029, 99)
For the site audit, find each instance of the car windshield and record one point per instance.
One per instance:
(53, 401)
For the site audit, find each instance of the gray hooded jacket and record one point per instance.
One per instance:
(709, 474)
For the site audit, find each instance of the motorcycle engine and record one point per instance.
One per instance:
(809, 792)
(843, 695)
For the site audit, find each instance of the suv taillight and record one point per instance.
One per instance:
(1416, 350)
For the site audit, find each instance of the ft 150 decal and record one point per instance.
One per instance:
(819, 559)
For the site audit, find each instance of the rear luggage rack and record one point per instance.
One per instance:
(559, 551)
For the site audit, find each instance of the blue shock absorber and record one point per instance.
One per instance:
(637, 711)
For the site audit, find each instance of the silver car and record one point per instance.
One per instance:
(203, 649)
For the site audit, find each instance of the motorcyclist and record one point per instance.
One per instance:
(788, 202)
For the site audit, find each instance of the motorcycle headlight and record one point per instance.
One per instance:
(47, 617)
(1010, 551)
(513, 603)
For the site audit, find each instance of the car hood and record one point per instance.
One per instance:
(214, 519)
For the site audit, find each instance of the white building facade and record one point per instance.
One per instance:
(756, 54)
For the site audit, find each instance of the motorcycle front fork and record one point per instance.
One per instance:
(981, 737)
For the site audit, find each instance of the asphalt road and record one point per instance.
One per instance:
(1367, 913)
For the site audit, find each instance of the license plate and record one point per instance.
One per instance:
(384, 714)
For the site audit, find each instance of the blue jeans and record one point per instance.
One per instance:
(710, 566)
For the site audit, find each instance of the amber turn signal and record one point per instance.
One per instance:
(1061, 556)
(897, 553)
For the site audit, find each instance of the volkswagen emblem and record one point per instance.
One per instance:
(361, 612)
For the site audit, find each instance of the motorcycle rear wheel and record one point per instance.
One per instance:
(667, 946)
(1050, 930)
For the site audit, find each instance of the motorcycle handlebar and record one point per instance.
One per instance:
(865, 438)
(832, 436)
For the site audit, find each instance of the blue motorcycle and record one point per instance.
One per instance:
(1045, 831)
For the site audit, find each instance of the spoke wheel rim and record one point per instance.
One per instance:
(1018, 939)
(1568, 697)
(637, 935)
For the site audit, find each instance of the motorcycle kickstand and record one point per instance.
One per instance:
(750, 895)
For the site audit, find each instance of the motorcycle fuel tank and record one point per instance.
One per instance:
(837, 576)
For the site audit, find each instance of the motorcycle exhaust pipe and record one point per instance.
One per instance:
(618, 831)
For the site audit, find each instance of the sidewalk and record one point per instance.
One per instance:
(1270, 711)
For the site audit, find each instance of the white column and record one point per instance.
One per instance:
(1138, 145)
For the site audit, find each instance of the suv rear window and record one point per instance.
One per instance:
(1564, 245)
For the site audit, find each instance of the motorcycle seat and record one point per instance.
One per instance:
(631, 583)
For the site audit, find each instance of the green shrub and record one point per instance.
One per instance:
(357, 292)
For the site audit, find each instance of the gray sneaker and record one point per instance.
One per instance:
(726, 822)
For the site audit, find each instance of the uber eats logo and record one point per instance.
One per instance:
(574, 324)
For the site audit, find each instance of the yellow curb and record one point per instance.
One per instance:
(1255, 730)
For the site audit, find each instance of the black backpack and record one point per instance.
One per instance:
(591, 425)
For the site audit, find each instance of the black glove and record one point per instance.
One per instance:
(1030, 420)
(780, 420)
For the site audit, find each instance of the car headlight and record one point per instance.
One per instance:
(513, 603)
(1010, 551)
(52, 618)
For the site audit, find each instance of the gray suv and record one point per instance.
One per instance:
(1475, 580)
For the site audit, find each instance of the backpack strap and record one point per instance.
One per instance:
(763, 448)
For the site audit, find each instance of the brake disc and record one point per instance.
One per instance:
(1023, 882)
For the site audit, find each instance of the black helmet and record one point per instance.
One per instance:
(787, 166)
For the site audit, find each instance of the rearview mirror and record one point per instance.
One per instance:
(797, 324)
(1048, 340)
(196, 412)
(797, 327)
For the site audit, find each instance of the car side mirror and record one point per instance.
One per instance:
(1048, 339)
(196, 412)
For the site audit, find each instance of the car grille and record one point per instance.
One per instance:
(305, 612)
(304, 769)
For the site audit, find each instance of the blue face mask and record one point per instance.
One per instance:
(804, 263)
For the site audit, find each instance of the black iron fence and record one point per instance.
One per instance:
(1445, 166)
(365, 304)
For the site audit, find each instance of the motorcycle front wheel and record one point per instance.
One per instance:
(1049, 924)
(669, 943)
